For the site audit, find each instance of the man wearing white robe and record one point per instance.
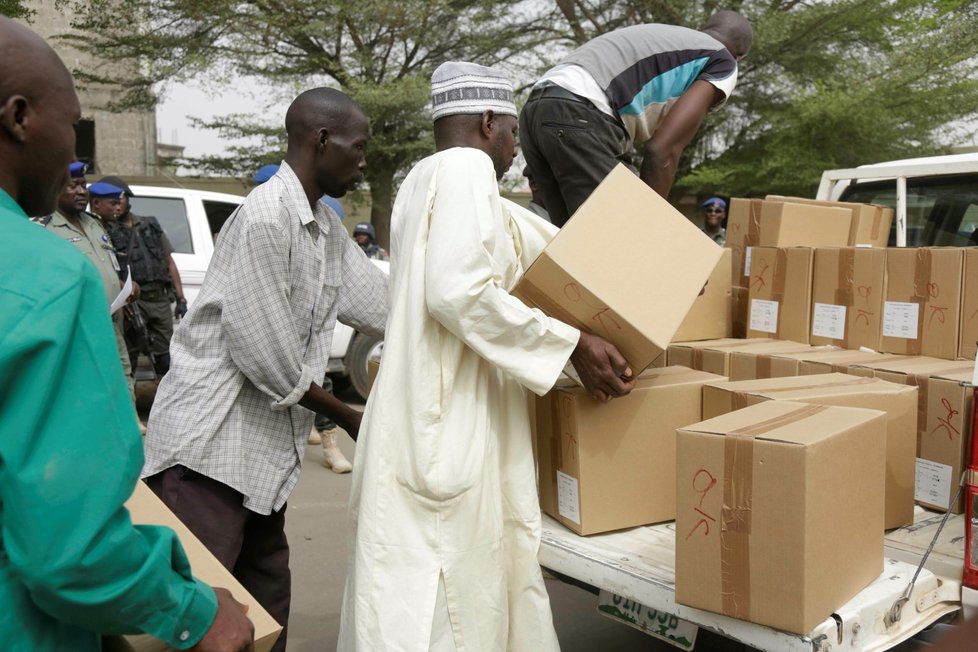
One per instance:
(444, 498)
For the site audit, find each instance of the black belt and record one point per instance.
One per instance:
(556, 91)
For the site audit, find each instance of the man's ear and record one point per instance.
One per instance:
(322, 136)
(488, 124)
(14, 115)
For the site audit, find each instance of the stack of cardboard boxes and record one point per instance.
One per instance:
(753, 487)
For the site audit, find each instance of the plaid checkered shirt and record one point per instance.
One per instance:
(254, 340)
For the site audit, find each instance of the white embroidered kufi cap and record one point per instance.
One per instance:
(462, 87)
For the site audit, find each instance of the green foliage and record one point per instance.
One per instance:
(15, 9)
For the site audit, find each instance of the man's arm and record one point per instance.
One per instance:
(59, 364)
(175, 276)
(663, 150)
(364, 300)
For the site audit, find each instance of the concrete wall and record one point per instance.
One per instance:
(125, 143)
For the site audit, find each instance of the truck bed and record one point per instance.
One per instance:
(639, 565)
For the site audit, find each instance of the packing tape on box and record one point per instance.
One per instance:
(846, 273)
(877, 223)
(762, 366)
(697, 358)
(921, 283)
(735, 519)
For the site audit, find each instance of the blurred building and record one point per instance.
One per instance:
(111, 142)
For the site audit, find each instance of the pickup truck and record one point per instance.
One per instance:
(192, 219)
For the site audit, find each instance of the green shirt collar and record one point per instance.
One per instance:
(8, 205)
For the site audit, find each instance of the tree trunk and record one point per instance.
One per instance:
(381, 203)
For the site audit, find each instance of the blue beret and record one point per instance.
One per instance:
(265, 173)
(103, 190)
(76, 169)
(714, 200)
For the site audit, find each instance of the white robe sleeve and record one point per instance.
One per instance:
(466, 296)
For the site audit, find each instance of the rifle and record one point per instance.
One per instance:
(135, 329)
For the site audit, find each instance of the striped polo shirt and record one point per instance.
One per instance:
(641, 71)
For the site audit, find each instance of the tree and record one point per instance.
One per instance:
(826, 84)
(381, 53)
(15, 9)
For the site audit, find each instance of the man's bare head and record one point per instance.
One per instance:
(731, 29)
(38, 112)
(328, 135)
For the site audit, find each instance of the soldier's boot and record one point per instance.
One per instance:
(332, 455)
(314, 437)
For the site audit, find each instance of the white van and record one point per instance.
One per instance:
(192, 218)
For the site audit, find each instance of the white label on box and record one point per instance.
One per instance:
(829, 321)
(568, 497)
(764, 316)
(747, 261)
(900, 319)
(933, 483)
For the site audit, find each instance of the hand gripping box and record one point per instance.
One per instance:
(779, 511)
(146, 509)
(780, 293)
(922, 310)
(899, 402)
(870, 223)
(847, 296)
(608, 466)
(627, 266)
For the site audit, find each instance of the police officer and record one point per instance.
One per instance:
(147, 251)
(72, 223)
(366, 237)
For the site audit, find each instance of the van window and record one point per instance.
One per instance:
(218, 213)
(941, 211)
(172, 215)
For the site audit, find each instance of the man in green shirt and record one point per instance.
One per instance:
(72, 223)
(72, 565)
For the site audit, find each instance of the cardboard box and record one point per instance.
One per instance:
(945, 439)
(922, 311)
(714, 356)
(780, 511)
(943, 420)
(899, 402)
(743, 228)
(768, 364)
(608, 466)
(848, 286)
(786, 224)
(827, 362)
(636, 302)
(711, 315)
(969, 306)
(373, 368)
(781, 293)
(870, 223)
(146, 509)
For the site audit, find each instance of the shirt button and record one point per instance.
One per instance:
(184, 636)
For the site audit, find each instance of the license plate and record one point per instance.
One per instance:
(659, 624)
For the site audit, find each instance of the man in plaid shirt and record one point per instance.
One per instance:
(228, 430)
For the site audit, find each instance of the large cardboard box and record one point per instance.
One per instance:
(945, 439)
(637, 302)
(711, 314)
(870, 223)
(969, 306)
(784, 364)
(787, 224)
(780, 511)
(608, 466)
(714, 356)
(899, 402)
(848, 286)
(762, 361)
(739, 303)
(826, 362)
(943, 420)
(146, 509)
(922, 311)
(743, 228)
(780, 293)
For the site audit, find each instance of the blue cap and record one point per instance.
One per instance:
(76, 169)
(714, 200)
(103, 190)
(265, 173)
(366, 228)
(333, 203)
